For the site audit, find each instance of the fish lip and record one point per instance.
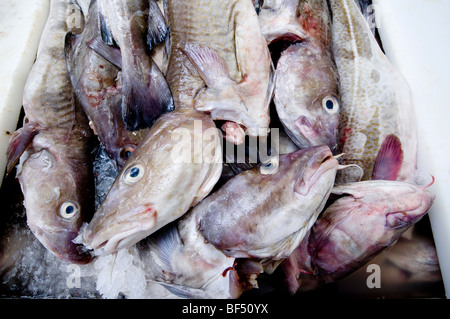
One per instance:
(133, 227)
(323, 162)
(61, 244)
(311, 134)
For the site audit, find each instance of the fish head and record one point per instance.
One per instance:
(244, 217)
(160, 181)
(370, 217)
(125, 215)
(317, 172)
(307, 96)
(58, 191)
(399, 205)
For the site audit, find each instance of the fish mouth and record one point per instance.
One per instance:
(61, 244)
(281, 43)
(321, 163)
(113, 233)
(417, 207)
(310, 133)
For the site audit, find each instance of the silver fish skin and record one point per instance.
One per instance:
(265, 212)
(98, 87)
(368, 218)
(219, 47)
(162, 179)
(55, 171)
(377, 105)
(145, 92)
(306, 93)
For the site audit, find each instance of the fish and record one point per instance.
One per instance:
(366, 218)
(377, 127)
(219, 46)
(97, 84)
(306, 92)
(189, 265)
(54, 147)
(130, 29)
(416, 256)
(265, 212)
(174, 167)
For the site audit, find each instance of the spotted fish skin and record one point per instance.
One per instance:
(376, 99)
(218, 50)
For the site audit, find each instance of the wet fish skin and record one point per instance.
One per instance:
(180, 259)
(158, 185)
(218, 49)
(98, 87)
(145, 92)
(368, 218)
(266, 215)
(278, 18)
(54, 148)
(375, 97)
(306, 91)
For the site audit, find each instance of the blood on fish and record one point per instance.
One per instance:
(224, 274)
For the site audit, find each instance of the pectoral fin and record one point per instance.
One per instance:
(209, 64)
(389, 159)
(69, 45)
(110, 53)
(19, 142)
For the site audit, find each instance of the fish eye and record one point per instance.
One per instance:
(269, 167)
(331, 104)
(68, 210)
(133, 174)
(125, 152)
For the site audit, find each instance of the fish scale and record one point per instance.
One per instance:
(219, 62)
(192, 21)
(376, 99)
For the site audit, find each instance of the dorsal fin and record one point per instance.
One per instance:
(389, 159)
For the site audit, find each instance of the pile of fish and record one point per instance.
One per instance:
(170, 91)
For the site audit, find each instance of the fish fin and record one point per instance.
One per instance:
(210, 65)
(248, 30)
(19, 142)
(183, 291)
(157, 28)
(110, 53)
(70, 41)
(105, 31)
(389, 159)
(162, 245)
(140, 109)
